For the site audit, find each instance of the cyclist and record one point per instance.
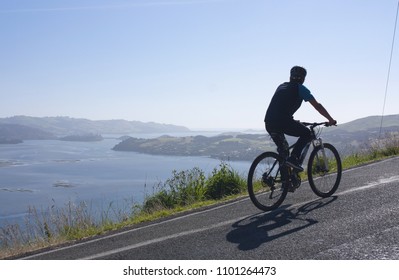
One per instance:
(279, 118)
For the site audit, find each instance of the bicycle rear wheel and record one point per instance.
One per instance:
(324, 170)
(264, 182)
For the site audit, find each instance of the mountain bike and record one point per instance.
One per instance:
(268, 190)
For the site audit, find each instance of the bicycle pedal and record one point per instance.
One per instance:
(289, 187)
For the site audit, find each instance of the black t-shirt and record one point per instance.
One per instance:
(286, 101)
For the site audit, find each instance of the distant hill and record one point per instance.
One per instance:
(64, 126)
(15, 133)
(348, 138)
(352, 136)
(224, 146)
(370, 123)
(83, 138)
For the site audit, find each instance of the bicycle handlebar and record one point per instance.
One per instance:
(315, 124)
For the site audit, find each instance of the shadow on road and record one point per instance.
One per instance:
(255, 230)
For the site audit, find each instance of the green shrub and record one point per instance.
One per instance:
(183, 188)
(224, 181)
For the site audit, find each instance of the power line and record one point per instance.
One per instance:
(389, 69)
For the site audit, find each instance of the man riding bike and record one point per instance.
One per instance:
(279, 118)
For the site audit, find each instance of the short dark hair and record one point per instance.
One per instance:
(298, 73)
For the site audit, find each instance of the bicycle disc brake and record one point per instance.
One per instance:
(269, 181)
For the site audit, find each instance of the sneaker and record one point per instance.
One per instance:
(293, 163)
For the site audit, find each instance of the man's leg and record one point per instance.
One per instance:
(297, 129)
(282, 147)
(279, 139)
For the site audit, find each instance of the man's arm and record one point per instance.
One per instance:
(322, 111)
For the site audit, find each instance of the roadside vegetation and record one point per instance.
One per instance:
(376, 149)
(185, 190)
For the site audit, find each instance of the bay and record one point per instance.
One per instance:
(53, 173)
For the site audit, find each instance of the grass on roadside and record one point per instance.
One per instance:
(376, 149)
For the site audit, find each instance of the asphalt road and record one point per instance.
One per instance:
(361, 221)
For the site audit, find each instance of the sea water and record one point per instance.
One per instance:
(51, 173)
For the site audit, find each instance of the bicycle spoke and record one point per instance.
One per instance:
(264, 182)
(324, 170)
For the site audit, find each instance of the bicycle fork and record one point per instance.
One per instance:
(321, 162)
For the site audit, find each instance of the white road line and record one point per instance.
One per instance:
(156, 240)
(372, 185)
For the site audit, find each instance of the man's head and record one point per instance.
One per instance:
(298, 74)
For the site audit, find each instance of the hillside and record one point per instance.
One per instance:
(225, 147)
(352, 136)
(348, 138)
(15, 133)
(369, 123)
(63, 126)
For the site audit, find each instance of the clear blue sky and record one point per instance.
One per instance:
(197, 63)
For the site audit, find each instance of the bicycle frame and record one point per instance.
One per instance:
(316, 142)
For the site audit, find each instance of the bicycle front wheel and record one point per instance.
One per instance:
(264, 182)
(324, 170)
